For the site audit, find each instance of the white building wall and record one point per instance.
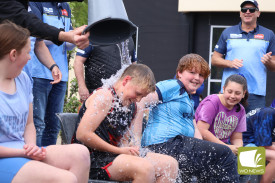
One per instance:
(221, 5)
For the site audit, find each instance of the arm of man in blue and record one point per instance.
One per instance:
(268, 59)
(218, 57)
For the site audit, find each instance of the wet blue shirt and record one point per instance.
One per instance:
(235, 43)
(172, 117)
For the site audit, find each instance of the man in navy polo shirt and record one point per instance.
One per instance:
(249, 49)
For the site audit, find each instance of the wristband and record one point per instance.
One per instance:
(51, 68)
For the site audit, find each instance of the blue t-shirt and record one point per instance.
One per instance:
(235, 43)
(15, 110)
(57, 15)
(172, 117)
(260, 127)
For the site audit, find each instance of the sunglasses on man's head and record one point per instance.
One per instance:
(251, 10)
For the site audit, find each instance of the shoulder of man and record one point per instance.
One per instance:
(262, 28)
(231, 29)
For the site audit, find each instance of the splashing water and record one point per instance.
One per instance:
(107, 83)
(125, 62)
(124, 52)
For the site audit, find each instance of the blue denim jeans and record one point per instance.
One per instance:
(48, 100)
(254, 102)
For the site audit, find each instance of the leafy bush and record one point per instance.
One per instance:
(79, 18)
(71, 102)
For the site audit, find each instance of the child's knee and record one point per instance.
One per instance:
(68, 177)
(81, 154)
(147, 170)
(173, 163)
(169, 165)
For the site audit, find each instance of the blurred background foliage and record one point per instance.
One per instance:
(79, 18)
(79, 13)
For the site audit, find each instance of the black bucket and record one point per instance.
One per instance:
(108, 22)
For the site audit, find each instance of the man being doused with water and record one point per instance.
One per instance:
(106, 117)
(171, 130)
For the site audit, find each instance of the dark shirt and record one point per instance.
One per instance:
(104, 61)
(112, 128)
(260, 127)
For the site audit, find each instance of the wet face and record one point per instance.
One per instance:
(191, 80)
(233, 94)
(132, 92)
(249, 17)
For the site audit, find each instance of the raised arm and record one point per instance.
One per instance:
(136, 125)
(150, 99)
(135, 131)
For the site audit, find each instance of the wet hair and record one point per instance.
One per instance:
(240, 79)
(142, 75)
(190, 61)
(12, 37)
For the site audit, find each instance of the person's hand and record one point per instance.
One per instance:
(81, 40)
(234, 149)
(266, 59)
(236, 63)
(83, 93)
(130, 151)
(34, 152)
(76, 37)
(57, 75)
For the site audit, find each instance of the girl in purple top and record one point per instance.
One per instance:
(221, 118)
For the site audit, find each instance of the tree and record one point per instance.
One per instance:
(79, 13)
